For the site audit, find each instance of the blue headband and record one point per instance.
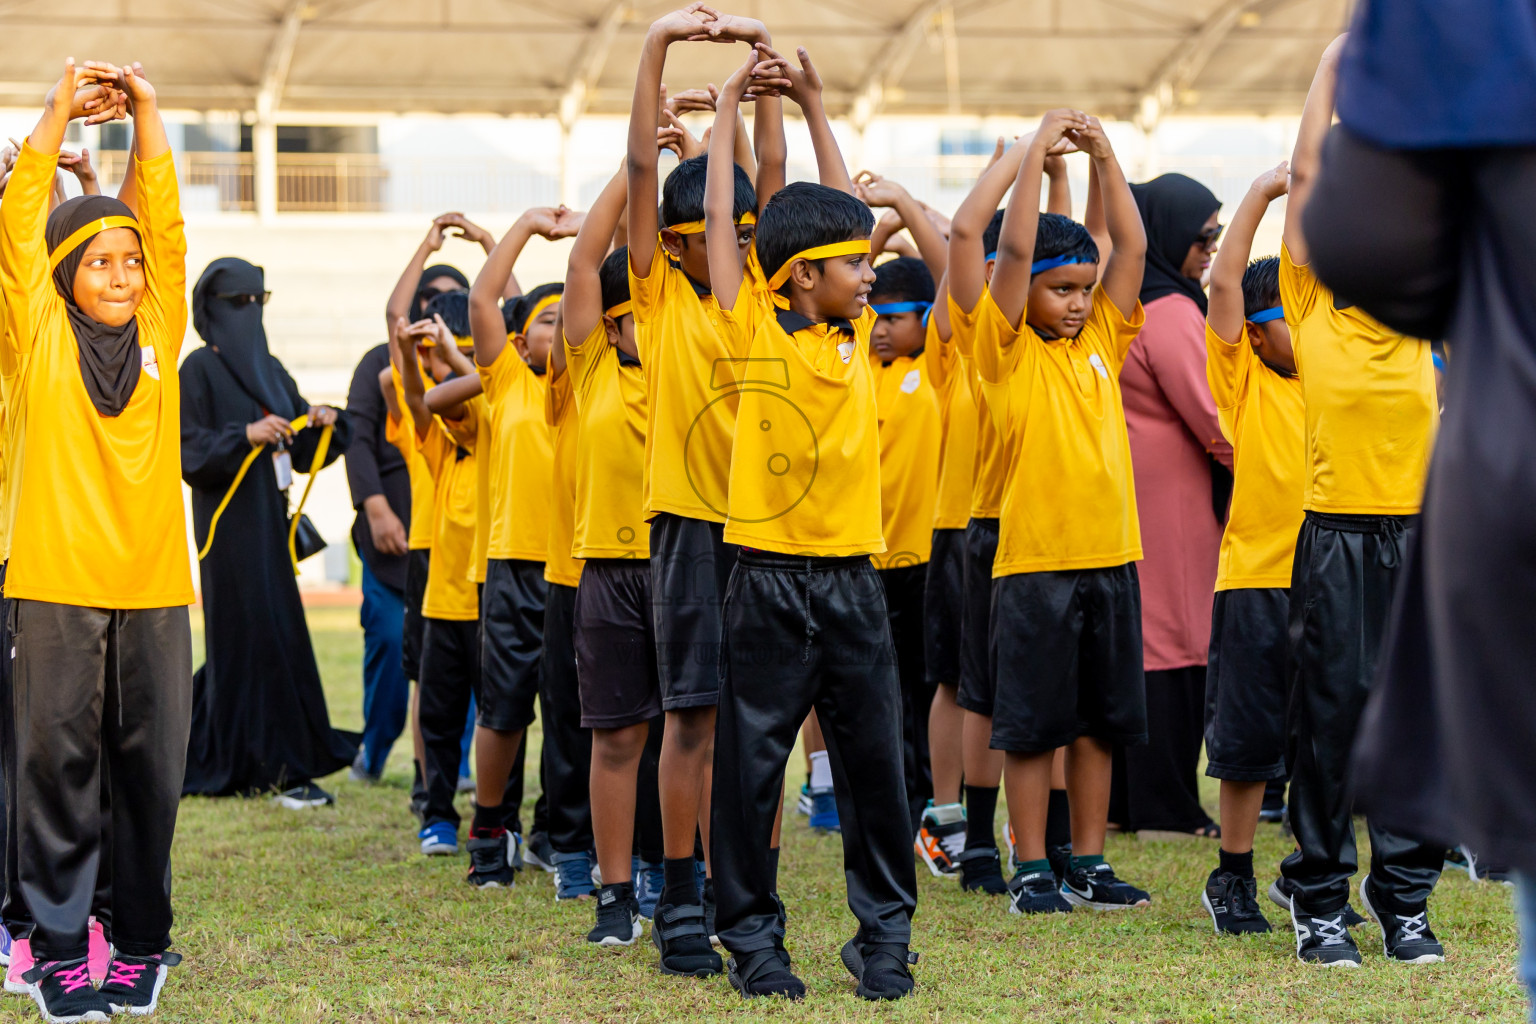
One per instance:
(1041, 266)
(888, 308)
(1264, 316)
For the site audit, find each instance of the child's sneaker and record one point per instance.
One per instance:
(21, 963)
(981, 870)
(1035, 892)
(804, 804)
(303, 798)
(618, 916)
(1097, 888)
(5, 946)
(1405, 938)
(1280, 895)
(1060, 858)
(880, 968)
(941, 839)
(538, 853)
(649, 881)
(62, 990)
(1013, 859)
(134, 982)
(493, 860)
(98, 951)
(824, 811)
(764, 972)
(1323, 938)
(573, 876)
(681, 934)
(1233, 903)
(439, 839)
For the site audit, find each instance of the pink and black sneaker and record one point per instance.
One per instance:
(98, 952)
(133, 982)
(21, 963)
(62, 990)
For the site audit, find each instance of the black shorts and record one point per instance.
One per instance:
(977, 687)
(1245, 684)
(943, 602)
(450, 656)
(690, 568)
(1066, 654)
(511, 643)
(615, 649)
(417, 561)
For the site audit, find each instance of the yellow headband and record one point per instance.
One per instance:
(696, 227)
(820, 252)
(79, 238)
(621, 309)
(541, 306)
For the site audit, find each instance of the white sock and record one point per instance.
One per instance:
(821, 770)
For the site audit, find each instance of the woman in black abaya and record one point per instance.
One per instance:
(259, 720)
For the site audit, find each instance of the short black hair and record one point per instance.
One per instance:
(453, 307)
(993, 234)
(515, 312)
(1063, 236)
(682, 195)
(1261, 285)
(805, 215)
(613, 278)
(904, 280)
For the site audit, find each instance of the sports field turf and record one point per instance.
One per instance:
(333, 915)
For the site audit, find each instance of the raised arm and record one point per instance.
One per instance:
(485, 320)
(581, 304)
(967, 255)
(1226, 314)
(720, 228)
(1016, 242)
(1093, 218)
(402, 299)
(412, 386)
(1127, 262)
(931, 245)
(1058, 196)
(805, 88)
(1307, 157)
(771, 146)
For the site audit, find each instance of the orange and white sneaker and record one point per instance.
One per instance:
(941, 839)
(1013, 860)
(21, 963)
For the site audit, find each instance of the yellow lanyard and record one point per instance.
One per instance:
(297, 424)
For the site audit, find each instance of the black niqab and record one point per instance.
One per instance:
(110, 361)
(236, 332)
(1174, 209)
(433, 273)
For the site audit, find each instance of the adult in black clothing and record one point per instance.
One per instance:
(381, 495)
(259, 719)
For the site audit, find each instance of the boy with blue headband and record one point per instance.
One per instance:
(1066, 603)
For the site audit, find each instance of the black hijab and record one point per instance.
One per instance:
(110, 361)
(1174, 209)
(433, 273)
(236, 334)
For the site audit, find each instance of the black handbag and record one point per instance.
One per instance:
(307, 541)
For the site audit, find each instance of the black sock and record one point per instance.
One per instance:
(681, 887)
(1239, 864)
(488, 821)
(980, 809)
(1058, 820)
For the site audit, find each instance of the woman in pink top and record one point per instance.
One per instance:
(1174, 437)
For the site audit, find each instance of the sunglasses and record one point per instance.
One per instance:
(243, 299)
(1208, 237)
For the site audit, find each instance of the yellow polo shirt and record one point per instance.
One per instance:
(560, 413)
(1069, 499)
(522, 458)
(451, 593)
(1372, 412)
(103, 524)
(1263, 416)
(910, 437)
(951, 375)
(402, 435)
(991, 460)
(472, 432)
(610, 450)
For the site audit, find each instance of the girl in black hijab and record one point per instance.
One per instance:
(259, 720)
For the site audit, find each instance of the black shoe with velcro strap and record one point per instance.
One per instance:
(880, 968)
(133, 983)
(680, 933)
(764, 972)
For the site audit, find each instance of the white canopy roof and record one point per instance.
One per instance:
(1117, 58)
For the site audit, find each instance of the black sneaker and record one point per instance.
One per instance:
(1405, 938)
(491, 860)
(680, 933)
(133, 982)
(1097, 888)
(1060, 858)
(618, 916)
(304, 797)
(764, 972)
(1280, 891)
(1036, 893)
(1233, 903)
(62, 990)
(880, 968)
(538, 853)
(981, 870)
(1323, 939)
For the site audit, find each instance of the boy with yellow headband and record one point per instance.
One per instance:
(804, 618)
(689, 430)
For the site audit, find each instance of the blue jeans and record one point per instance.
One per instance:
(1525, 906)
(386, 694)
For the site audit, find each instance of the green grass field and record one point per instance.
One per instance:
(332, 915)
